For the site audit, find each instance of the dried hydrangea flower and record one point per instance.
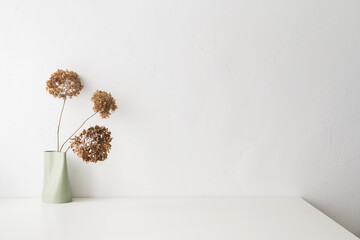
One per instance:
(104, 103)
(92, 144)
(64, 84)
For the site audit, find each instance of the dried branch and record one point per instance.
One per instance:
(58, 129)
(76, 130)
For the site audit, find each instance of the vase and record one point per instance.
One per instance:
(56, 184)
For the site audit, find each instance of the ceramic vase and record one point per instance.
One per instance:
(56, 184)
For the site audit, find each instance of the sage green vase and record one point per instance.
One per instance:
(56, 185)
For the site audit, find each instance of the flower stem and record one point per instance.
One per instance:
(58, 129)
(76, 131)
(67, 149)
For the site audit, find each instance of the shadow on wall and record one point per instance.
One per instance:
(330, 207)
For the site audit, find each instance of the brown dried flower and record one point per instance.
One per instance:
(104, 103)
(64, 84)
(92, 144)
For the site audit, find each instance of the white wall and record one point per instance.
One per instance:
(215, 97)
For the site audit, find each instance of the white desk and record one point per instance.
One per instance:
(217, 218)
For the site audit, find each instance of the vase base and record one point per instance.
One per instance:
(55, 202)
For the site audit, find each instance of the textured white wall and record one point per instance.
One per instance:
(215, 97)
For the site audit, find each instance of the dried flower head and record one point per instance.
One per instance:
(92, 144)
(64, 84)
(104, 103)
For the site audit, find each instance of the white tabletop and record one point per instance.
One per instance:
(217, 218)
